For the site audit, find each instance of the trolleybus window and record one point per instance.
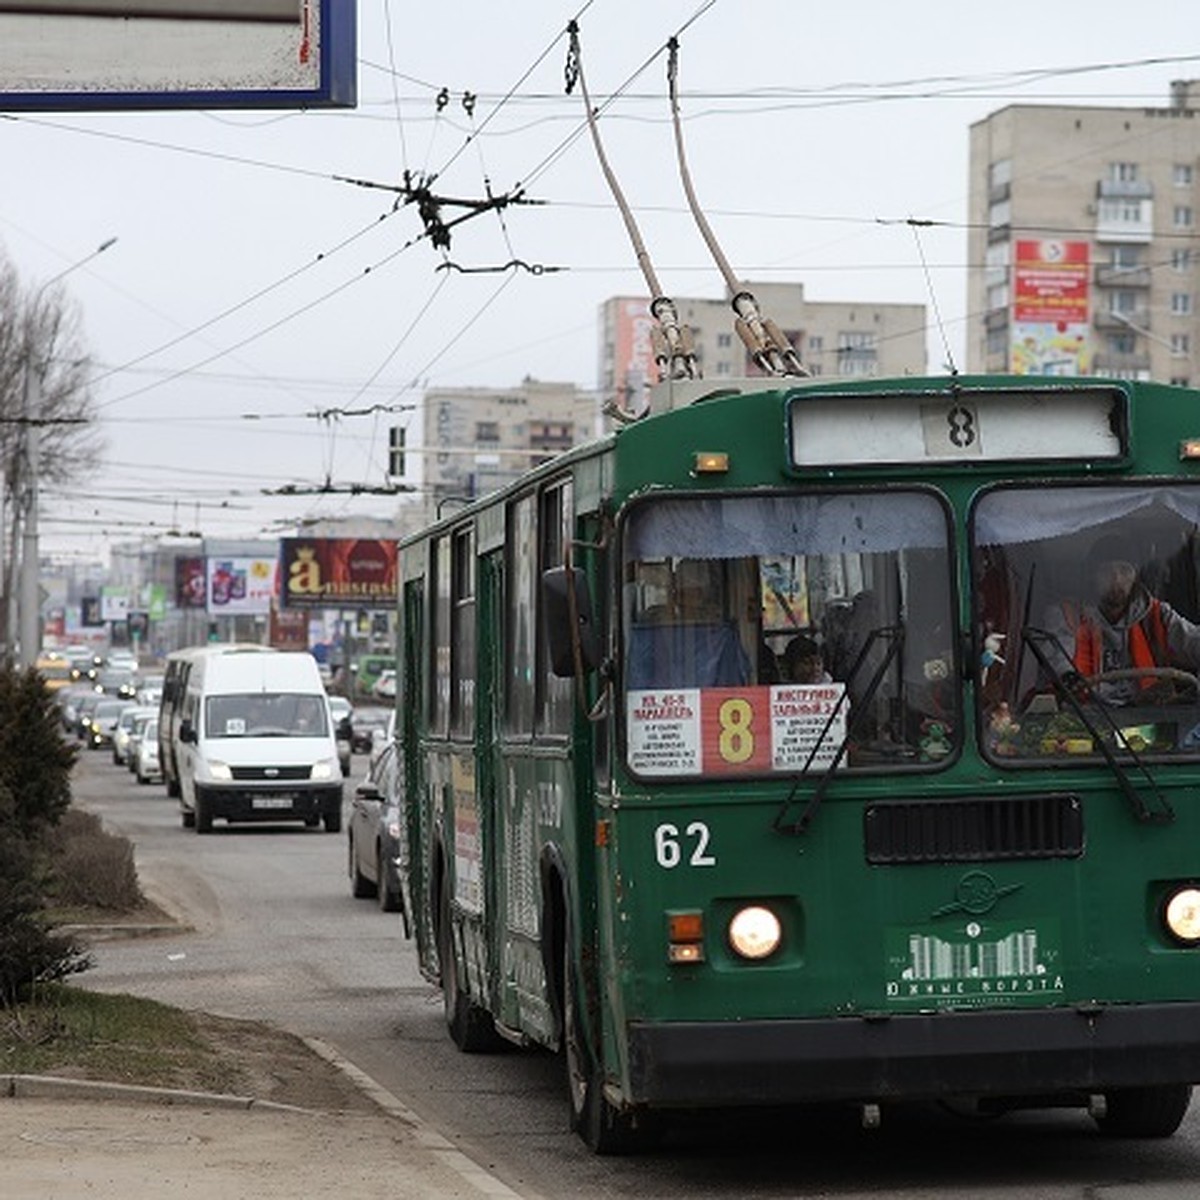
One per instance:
(1086, 598)
(763, 632)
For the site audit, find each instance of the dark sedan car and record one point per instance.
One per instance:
(363, 724)
(375, 834)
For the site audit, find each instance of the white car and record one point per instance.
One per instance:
(147, 767)
(125, 724)
(385, 685)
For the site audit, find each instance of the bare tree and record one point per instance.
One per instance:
(40, 331)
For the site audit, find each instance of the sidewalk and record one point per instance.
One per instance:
(65, 1139)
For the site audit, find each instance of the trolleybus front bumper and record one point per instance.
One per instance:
(914, 1056)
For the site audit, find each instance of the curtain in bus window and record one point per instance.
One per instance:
(1021, 515)
(827, 524)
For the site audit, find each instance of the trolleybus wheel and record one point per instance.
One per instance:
(1145, 1112)
(604, 1128)
(471, 1027)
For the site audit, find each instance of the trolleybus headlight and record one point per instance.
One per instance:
(1182, 915)
(755, 932)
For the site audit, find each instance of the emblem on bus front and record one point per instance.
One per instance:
(977, 893)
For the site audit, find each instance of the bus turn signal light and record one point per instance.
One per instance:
(1189, 449)
(685, 937)
(1182, 915)
(710, 462)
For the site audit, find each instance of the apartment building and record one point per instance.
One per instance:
(1082, 243)
(832, 338)
(476, 439)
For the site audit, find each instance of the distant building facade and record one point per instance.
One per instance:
(1082, 244)
(477, 439)
(832, 338)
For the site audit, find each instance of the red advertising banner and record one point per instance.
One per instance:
(338, 573)
(1050, 282)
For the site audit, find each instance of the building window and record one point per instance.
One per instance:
(1181, 260)
(1122, 300)
(1121, 343)
(1182, 174)
(487, 431)
(816, 344)
(1122, 172)
(1000, 172)
(1000, 214)
(1181, 343)
(997, 296)
(724, 341)
(1180, 381)
(723, 367)
(1183, 216)
(1126, 257)
(1181, 303)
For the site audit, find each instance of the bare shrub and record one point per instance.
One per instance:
(91, 867)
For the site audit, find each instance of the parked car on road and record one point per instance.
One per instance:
(340, 709)
(147, 767)
(124, 730)
(363, 724)
(385, 686)
(374, 834)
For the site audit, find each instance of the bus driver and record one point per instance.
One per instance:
(1124, 628)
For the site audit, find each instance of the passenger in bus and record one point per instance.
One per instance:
(1123, 627)
(803, 662)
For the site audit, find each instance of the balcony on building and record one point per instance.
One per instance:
(1113, 322)
(1109, 275)
(1121, 366)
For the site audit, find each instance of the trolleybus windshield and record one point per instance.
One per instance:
(1095, 588)
(780, 633)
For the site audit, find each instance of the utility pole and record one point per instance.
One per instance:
(30, 608)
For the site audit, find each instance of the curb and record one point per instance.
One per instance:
(43, 1087)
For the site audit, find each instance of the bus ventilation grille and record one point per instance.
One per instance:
(946, 831)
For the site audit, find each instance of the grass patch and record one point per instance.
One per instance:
(77, 1034)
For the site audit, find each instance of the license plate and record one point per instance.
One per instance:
(271, 802)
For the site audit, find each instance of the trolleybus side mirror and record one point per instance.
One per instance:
(567, 610)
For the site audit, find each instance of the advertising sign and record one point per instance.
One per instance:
(237, 586)
(190, 582)
(735, 731)
(633, 353)
(338, 573)
(1051, 282)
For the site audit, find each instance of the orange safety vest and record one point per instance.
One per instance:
(1146, 642)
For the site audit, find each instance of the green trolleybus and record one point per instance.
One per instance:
(750, 755)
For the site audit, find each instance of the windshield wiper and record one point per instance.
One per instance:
(1164, 814)
(894, 636)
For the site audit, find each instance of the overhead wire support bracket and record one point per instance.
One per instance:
(770, 349)
(418, 190)
(674, 353)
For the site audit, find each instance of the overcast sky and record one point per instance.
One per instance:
(249, 286)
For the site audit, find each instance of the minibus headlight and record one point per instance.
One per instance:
(325, 769)
(1182, 915)
(755, 932)
(219, 771)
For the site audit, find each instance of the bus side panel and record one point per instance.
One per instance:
(418, 814)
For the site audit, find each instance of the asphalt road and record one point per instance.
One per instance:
(277, 937)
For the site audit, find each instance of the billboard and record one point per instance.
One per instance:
(633, 366)
(236, 586)
(190, 581)
(1050, 307)
(1050, 282)
(338, 573)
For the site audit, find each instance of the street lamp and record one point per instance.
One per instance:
(30, 623)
